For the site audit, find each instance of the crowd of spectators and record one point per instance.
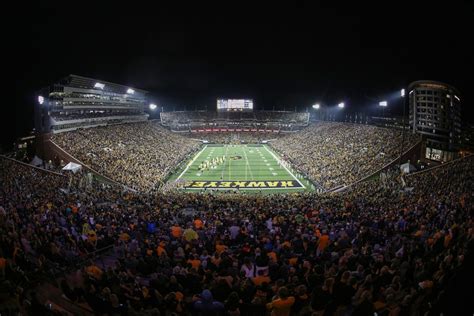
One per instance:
(335, 154)
(138, 155)
(186, 117)
(272, 120)
(378, 248)
(81, 115)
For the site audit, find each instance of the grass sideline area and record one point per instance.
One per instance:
(251, 168)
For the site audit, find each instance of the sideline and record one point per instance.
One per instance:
(190, 163)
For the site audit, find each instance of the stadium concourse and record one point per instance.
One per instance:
(391, 247)
(142, 156)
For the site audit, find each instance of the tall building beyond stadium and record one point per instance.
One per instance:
(76, 101)
(435, 113)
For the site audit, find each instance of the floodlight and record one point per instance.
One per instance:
(40, 99)
(341, 105)
(402, 93)
(99, 85)
(153, 106)
(130, 91)
(316, 106)
(383, 103)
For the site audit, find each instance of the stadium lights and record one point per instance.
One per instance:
(341, 105)
(383, 103)
(99, 85)
(402, 93)
(316, 106)
(152, 106)
(40, 99)
(130, 91)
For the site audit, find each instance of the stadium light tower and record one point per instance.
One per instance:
(383, 104)
(341, 105)
(99, 85)
(402, 95)
(316, 106)
(152, 106)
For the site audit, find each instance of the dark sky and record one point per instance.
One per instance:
(281, 56)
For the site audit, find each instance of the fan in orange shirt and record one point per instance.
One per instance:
(293, 261)
(176, 231)
(273, 256)
(261, 278)
(124, 236)
(3, 264)
(281, 306)
(447, 240)
(94, 271)
(161, 249)
(220, 247)
(323, 242)
(198, 224)
(195, 263)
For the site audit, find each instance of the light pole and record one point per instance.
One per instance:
(402, 95)
(317, 107)
(341, 106)
(383, 105)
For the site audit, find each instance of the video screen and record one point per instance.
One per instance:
(234, 105)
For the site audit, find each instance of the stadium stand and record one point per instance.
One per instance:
(196, 120)
(334, 154)
(138, 155)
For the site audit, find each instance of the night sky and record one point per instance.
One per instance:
(281, 56)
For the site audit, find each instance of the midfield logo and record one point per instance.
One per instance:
(242, 184)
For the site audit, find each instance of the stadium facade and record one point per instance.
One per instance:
(435, 113)
(240, 121)
(78, 102)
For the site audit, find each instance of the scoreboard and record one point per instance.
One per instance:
(234, 105)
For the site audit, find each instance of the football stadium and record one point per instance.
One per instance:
(197, 165)
(191, 208)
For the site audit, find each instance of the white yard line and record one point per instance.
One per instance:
(278, 160)
(247, 164)
(225, 163)
(190, 163)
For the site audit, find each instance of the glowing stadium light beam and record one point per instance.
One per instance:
(383, 103)
(40, 99)
(316, 106)
(152, 106)
(130, 91)
(341, 105)
(402, 93)
(99, 85)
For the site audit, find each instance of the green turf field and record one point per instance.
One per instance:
(239, 167)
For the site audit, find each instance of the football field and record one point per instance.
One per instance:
(239, 167)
